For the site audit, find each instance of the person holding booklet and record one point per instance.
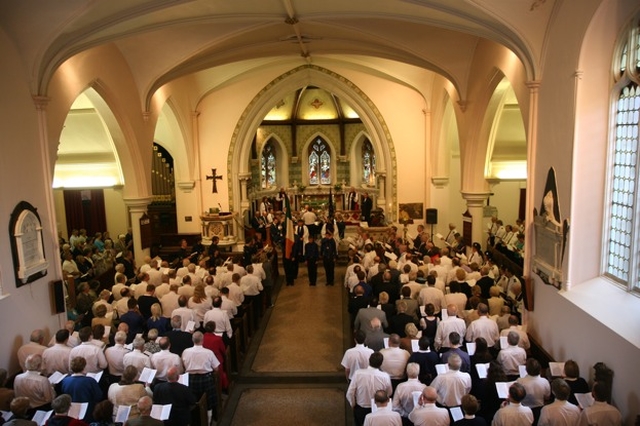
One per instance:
(178, 396)
(127, 392)
(470, 407)
(382, 414)
(144, 419)
(81, 388)
(560, 412)
(19, 407)
(61, 406)
(426, 413)
(513, 412)
(33, 385)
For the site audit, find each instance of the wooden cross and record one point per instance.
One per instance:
(214, 177)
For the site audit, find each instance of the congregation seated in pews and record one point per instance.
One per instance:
(150, 347)
(439, 340)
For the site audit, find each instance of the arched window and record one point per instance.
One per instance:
(368, 163)
(319, 163)
(268, 165)
(622, 230)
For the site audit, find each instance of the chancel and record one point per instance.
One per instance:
(167, 147)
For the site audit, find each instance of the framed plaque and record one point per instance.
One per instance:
(27, 247)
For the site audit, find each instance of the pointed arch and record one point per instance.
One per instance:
(305, 161)
(357, 160)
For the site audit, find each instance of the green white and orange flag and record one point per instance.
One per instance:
(290, 233)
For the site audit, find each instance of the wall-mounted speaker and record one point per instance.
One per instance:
(432, 216)
(57, 296)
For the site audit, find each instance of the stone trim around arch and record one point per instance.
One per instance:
(377, 129)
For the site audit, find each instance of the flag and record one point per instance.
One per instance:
(331, 206)
(289, 232)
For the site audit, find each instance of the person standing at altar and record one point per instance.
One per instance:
(311, 255)
(352, 200)
(280, 197)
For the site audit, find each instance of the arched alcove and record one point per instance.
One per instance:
(243, 136)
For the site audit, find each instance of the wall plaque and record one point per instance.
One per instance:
(27, 244)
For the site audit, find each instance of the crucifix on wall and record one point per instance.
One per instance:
(215, 177)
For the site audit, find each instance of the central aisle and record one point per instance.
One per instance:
(305, 331)
(292, 374)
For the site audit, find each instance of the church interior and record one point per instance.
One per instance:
(175, 118)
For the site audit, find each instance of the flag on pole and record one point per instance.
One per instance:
(289, 232)
(331, 206)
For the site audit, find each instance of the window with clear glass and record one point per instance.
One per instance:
(368, 163)
(268, 165)
(623, 230)
(319, 163)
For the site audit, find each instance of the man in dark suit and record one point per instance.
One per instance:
(180, 340)
(329, 253)
(178, 395)
(311, 255)
(366, 205)
(144, 406)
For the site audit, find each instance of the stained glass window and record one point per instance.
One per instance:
(319, 163)
(268, 165)
(623, 229)
(368, 163)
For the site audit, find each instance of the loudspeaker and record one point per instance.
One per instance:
(432, 216)
(57, 296)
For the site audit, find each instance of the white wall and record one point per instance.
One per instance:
(23, 178)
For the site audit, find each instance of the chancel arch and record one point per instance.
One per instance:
(240, 152)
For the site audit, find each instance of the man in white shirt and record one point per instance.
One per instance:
(32, 385)
(35, 346)
(164, 360)
(560, 412)
(155, 276)
(513, 356)
(250, 284)
(56, 358)
(403, 396)
(185, 313)
(447, 326)
(513, 326)
(395, 360)
(357, 357)
(430, 294)
(600, 413)
(201, 363)
(136, 357)
(220, 317)
(514, 413)
(94, 356)
(121, 306)
(169, 301)
(483, 327)
(453, 384)
(383, 415)
(426, 413)
(228, 305)
(115, 355)
(364, 385)
(537, 388)
(235, 292)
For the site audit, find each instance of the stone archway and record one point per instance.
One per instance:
(240, 146)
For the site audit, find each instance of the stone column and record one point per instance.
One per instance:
(137, 207)
(382, 188)
(244, 195)
(532, 142)
(475, 204)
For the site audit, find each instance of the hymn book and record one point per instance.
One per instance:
(96, 376)
(41, 417)
(56, 377)
(78, 410)
(456, 413)
(147, 375)
(123, 413)
(160, 412)
(482, 370)
(584, 399)
(503, 389)
(184, 379)
(557, 369)
(442, 368)
(522, 369)
(471, 348)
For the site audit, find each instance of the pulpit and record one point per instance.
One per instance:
(219, 225)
